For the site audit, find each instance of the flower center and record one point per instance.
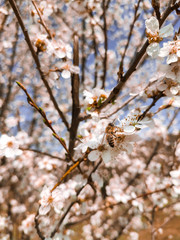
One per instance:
(154, 37)
(10, 144)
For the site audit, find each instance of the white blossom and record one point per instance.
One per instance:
(9, 146)
(67, 68)
(155, 35)
(171, 50)
(27, 225)
(50, 199)
(94, 98)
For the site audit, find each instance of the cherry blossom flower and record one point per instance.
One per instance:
(175, 175)
(48, 163)
(171, 50)
(67, 68)
(97, 142)
(50, 199)
(167, 80)
(59, 197)
(131, 123)
(9, 146)
(155, 35)
(27, 225)
(133, 236)
(41, 43)
(92, 100)
(59, 49)
(116, 192)
(104, 152)
(3, 223)
(176, 101)
(63, 50)
(46, 8)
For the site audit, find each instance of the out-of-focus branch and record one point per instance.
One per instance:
(105, 44)
(75, 97)
(156, 6)
(107, 4)
(41, 153)
(38, 65)
(114, 93)
(83, 41)
(3, 23)
(173, 118)
(120, 73)
(95, 48)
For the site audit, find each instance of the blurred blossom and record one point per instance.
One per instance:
(166, 80)
(133, 236)
(67, 68)
(27, 225)
(3, 223)
(58, 198)
(9, 146)
(171, 50)
(48, 163)
(175, 175)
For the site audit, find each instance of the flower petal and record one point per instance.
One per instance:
(166, 31)
(94, 155)
(66, 74)
(152, 25)
(129, 129)
(153, 50)
(172, 58)
(106, 156)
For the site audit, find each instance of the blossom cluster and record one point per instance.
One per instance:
(167, 79)
(124, 137)
(59, 50)
(60, 196)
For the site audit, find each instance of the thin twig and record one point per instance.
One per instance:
(95, 48)
(105, 44)
(41, 153)
(136, 16)
(74, 166)
(42, 21)
(46, 121)
(155, 99)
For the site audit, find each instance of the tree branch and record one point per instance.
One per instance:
(75, 97)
